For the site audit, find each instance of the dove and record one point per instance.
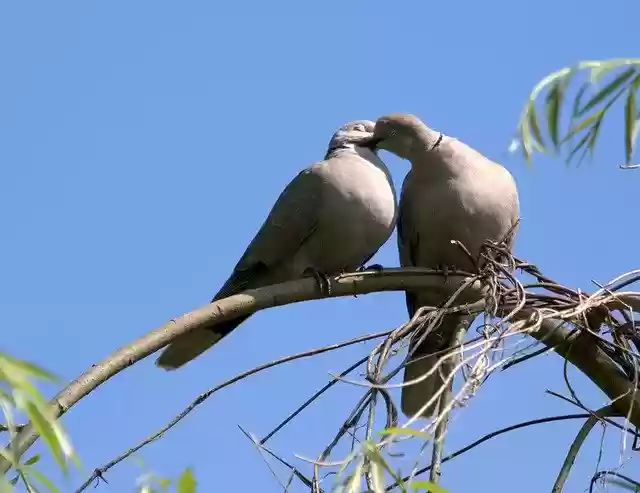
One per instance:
(332, 217)
(452, 192)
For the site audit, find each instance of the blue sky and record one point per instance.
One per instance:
(142, 144)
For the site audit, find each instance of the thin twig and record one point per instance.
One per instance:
(311, 399)
(584, 431)
(293, 469)
(494, 434)
(604, 474)
(205, 395)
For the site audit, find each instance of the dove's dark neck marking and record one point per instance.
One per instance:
(437, 142)
(339, 146)
(350, 148)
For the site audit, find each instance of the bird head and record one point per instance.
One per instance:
(355, 133)
(403, 134)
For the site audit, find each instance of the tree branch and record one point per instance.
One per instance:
(98, 472)
(584, 431)
(578, 347)
(391, 279)
(580, 350)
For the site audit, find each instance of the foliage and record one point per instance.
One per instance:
(590, 105)
(18, 394)
(150, 483)
(371, 465)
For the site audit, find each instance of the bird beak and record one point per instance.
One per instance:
(364, 140)
(373, 143)
(370, 142)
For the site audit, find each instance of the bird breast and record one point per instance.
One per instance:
(359, 209)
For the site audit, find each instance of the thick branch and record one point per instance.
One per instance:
(581, 350)
(241, 304)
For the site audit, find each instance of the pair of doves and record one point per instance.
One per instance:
(335, 215)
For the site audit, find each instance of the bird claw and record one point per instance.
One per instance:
(321, 278)
(377, 267)
(445, 270)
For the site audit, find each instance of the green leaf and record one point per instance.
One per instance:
(580, 145)
(43, 479)
(595, 131)
(377, 477)
(577, 102)
(631, 120)
(404, 431)
(164, 484)
(26, 367)
(187, 482)
(353, 483)
(32, 460)
(533, 123)
(603, 67)
(427, 486)
(528, 144)
(598, 115)
(608, 90)
(552, 110)
(46, 430)
(373, 454)
(31, 488)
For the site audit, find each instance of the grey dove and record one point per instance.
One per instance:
(332, 217)
(452, 192)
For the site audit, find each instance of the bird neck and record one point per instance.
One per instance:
(428, 141)
(435, 162)
(365, 153)
(339, 148)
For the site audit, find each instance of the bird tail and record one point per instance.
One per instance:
(192, 344)
(423, 360)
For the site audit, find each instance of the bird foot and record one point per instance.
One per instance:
(321, 278)
(445, 270)
(377, 267)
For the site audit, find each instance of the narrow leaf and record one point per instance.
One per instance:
(552, 109)
(43, 479)
(603, 67)
(32, 460)
(608, 89)
(187, 482)
(598, 115)
(377, 477)
(29, 368)
(533, 123)
(577, 102)
(353, 484)
(373, 454)
(404, 431)
(427, 486)
(46, 431)
(630, 120)
(595, 131)
(580, 145)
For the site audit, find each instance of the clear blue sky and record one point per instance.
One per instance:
(142, 144)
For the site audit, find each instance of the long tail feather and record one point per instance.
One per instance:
(414, 397)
